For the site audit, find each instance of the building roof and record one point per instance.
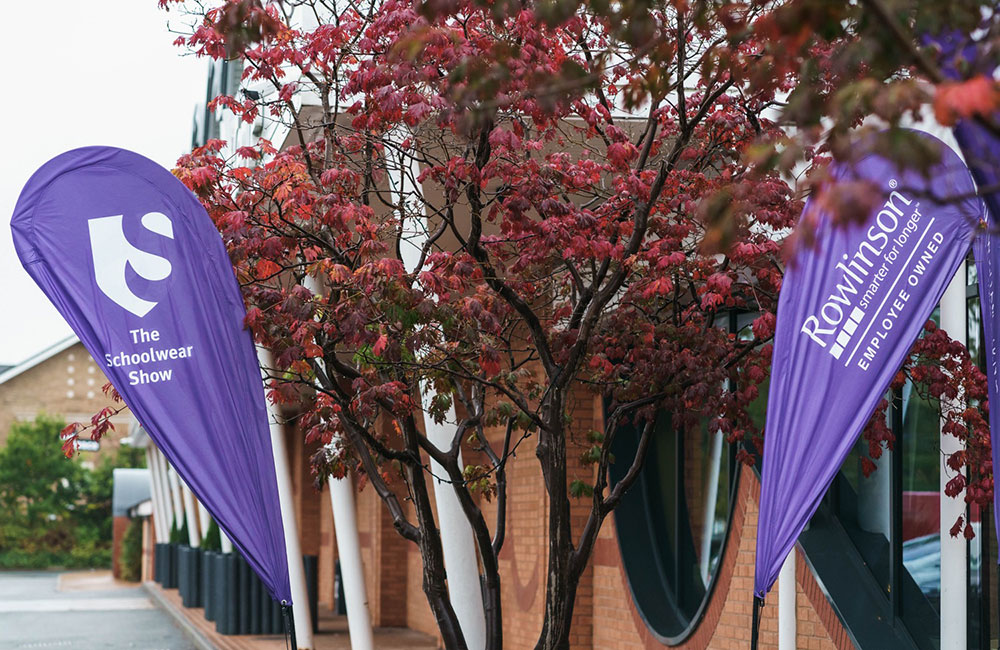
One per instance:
(131, 487)
(9, 372)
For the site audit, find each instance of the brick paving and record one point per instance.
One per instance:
(332, 633)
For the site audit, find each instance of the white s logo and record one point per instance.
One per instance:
(113, 253)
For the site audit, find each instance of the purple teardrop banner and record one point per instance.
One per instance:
(849, 311)
(134, 264)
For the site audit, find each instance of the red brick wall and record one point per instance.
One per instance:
(148, 542)
(384, 554)
(418, 612)
(327, 552)
(726, 622)
(306, 498)
(391, 573)
(118, 527)
(605, 616)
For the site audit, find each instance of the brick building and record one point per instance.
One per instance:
(62, 381)
(673, 567)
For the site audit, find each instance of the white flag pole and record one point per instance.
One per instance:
(302, 619)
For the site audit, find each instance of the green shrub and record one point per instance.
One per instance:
(130, 560)
(212, 540)
(179, 535)
(54, 512)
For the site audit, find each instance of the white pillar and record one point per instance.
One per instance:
(458, 544)
(296, 573)
(168, 500)
(954, 563)
(204, 520)
(711, 502)
(225, 542)
(345, 525)
(175, 494)
(191, 514)
(461, 563)
(167, 504)
(787, 609)
(159, 515)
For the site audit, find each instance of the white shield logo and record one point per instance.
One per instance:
(113, 253)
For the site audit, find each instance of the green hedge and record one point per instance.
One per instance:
(130, 560)
(53, 511)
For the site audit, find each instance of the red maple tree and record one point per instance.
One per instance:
(514, 204)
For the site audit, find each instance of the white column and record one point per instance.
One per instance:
(345, 525)
(458, 544)
(154, 487)
(461, 563)
(204, 520)
(225, 542)
(175, 493)
(191, 514)
(168, 500)
(954, 563)
(787, 610)
(296, 572)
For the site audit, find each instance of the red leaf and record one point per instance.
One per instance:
(957, 527)
(956, 100)
(380, 345)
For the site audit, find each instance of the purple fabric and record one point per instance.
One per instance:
(981, 149)
(982, 152)
(849, 311)
(132, 261)
(987, 252)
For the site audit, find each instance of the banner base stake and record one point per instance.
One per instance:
(758, 604)
(286, 612)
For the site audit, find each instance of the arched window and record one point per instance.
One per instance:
(672, 524)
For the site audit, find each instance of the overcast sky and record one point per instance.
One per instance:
(76, 74)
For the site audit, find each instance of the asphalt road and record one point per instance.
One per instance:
(41, 610)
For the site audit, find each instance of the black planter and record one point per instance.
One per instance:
(227, 613)
(208, 584)
(236, 599)
(158, 562)
(222, 596)
(199, 580)
(169, 566)
(183, 573)
(244, 596)
(277, 624)
(174, 553)
(191, 577)
(255, 609)
(267, 614)
(264, 609)
(219, 586)
(274, 622)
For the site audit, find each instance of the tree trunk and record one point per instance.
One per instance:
(432, 555)
(561, 580)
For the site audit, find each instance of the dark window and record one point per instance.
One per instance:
(672, 524)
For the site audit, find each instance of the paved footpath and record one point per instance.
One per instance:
(81, 611)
